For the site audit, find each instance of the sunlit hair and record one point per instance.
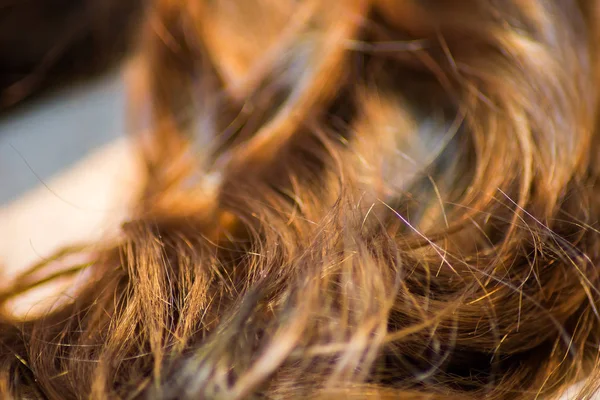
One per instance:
(342, 199)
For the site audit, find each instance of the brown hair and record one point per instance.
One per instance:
(343, 199)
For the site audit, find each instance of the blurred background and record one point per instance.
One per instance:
(65, 163)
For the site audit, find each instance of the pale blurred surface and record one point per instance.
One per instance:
(66, 171)
(56, 131)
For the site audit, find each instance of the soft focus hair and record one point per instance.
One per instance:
(342, 199)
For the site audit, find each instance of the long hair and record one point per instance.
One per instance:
(341, 199)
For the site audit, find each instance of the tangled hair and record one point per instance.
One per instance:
(342, 199)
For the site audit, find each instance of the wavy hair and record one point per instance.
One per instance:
(342, 199)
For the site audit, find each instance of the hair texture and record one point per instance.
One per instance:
(342, 199)
(47, 42)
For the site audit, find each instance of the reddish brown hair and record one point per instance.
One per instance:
(351, 199)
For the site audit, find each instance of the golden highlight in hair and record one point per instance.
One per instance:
(342, 199)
